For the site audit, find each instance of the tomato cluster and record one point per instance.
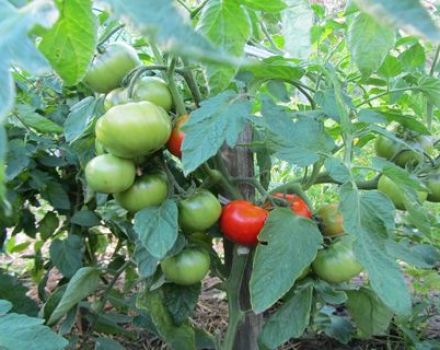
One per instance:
(131, 130)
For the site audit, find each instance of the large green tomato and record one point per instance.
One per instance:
(400, 154)
(148, 191)
(115, 97)
(109, 68)
(433, 184)
(109, 174)
(337, 263)
(188, 267)
(395, 193)
(155, 90)
(199, 212)
(133, 129)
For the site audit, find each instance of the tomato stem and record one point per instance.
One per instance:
(108, 35)
(177, 97)
(233, 287)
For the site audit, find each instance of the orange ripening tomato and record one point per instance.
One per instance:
(296, 203)
(175, 141)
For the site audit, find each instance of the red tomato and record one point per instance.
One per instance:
(176, 139)
(241, 222)
(296, 203)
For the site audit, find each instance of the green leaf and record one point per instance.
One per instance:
(329, 294)
(297, 21)
(83, 283)
(24, 332)
(413, 58)
(375, 116)
(390, 67)
(70, 44)
(85, 218)
(219, 119)
(179, 337)
(369, 216)
(57, 195)
(264, 5)
(163, 23)
(13, 291)
(327, 100)
(421, 256)
(409, 15)
(274, 68)
(147, 264)
(157, 228)
(17, 159)
(5, 306)
(226, 24)
(292, 244)
(67, 254)
(181, 300)
(337, 170)
(17, 48)
(371, 316)
(36, 121)
(80, 118)
(430, 86)
(369, 43)
(102, 343)
(289, 321)
(3, 151)
(337, 327)
(48, 225)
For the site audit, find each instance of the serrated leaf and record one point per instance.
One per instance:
(83, 283)
(85, 218)
(409, 15)
(374, 116)
(337, 170)
(79, 119)
(157, 228)
(13, 291)
(413, 58)
(67, 255)
(17, 159)
(24, 332)
(179, 337)
(48, 225)
(292, 244)
(226, 24)
(36, 121)
(329, 294)
(390, 67)
(369, 43)
(297, 21)
(70, 44)
(430, 86)
(181, 300)
(369, 216)
(275, 68)
(421, 256)
(57, 196)
(153, 18)
(17, 48)
(147, 263)
(264, 5)
(289, 321)
(219, 119)
(371, 316)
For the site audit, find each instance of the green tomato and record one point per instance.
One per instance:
(331, 220)
(395, 193)
(148, 191)
(133, 129)
(337, 263)
(188, 267)
(115, 97)
(433, 184)
(400, 154)
(199, 212)
(154, 90)
(109, 174)
(109, 68)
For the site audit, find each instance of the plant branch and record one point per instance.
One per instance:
(372, 98)
(109, 35)
(177, 98)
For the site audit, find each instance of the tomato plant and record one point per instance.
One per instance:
(337, 263)
(187, 267)
(126, 126)
(242, 221)
(133, 129)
